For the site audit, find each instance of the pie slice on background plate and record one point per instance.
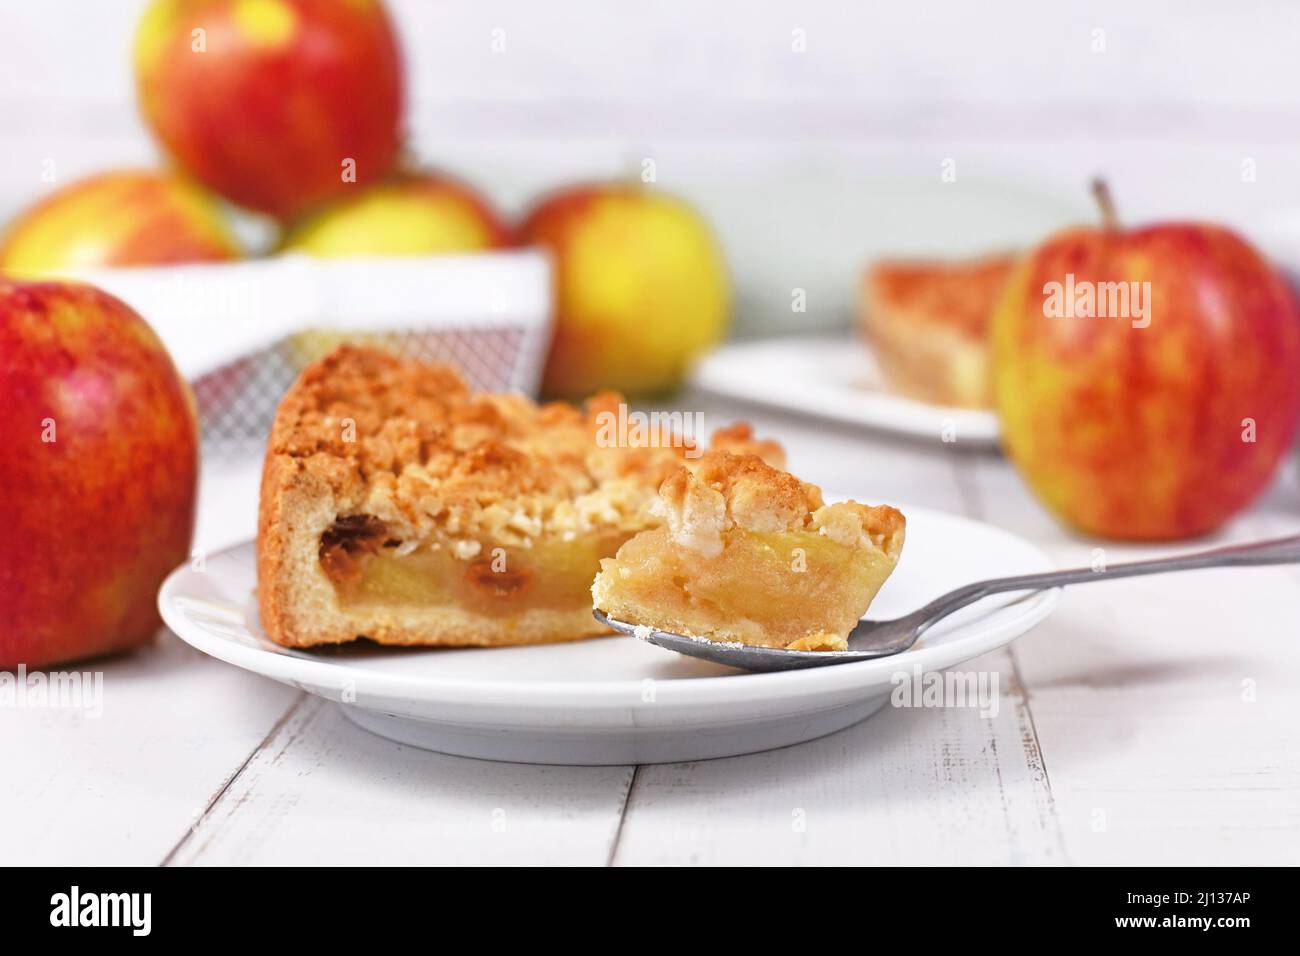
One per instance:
(927, 322)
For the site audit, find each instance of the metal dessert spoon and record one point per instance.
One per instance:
(871, 639)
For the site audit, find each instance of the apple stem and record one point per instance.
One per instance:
(1101, 192)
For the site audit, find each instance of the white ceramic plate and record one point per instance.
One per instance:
(616, 700)
(837, 379)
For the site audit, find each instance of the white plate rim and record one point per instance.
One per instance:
(1009, 622)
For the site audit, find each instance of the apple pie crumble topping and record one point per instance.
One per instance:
(701, 500)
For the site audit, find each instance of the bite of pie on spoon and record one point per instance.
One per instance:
(749, 554)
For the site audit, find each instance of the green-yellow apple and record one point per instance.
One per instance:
(1148, 380)
(641, 288)
(408, 215)
(99, 473)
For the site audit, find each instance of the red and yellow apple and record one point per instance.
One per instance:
(409, 215)
(99, 473)
(641, 288)
(1148, 380)
(126, 218)
(275, 104)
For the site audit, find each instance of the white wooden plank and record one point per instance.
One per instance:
(324, 792)
(122, 788)
(1166, 707)
(907, 786)
(1187, 774)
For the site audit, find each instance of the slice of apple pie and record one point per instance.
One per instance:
(397, 505)
(928, 321)
(752, 555)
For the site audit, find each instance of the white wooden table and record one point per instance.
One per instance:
(1148, 721)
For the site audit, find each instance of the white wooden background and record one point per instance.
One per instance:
(1147, 721)
(808, 157)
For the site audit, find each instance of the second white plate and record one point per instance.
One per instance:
(834, 378)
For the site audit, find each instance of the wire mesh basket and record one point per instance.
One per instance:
(243, 332)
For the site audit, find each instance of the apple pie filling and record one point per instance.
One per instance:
(370, 566)
(796, 589)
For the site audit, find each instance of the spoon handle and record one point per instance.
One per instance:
(1275, 551)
